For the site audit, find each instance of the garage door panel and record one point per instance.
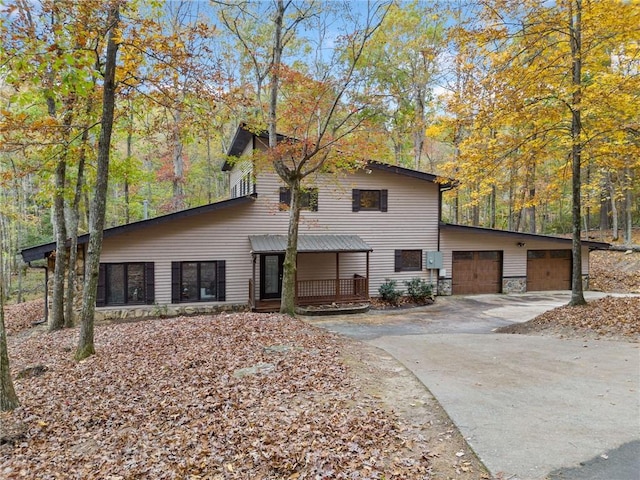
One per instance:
(477, 272)
(548, 270)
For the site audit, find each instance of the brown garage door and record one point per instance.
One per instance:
(548, 270)
(476, 272)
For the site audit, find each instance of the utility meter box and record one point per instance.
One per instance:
(433, 260)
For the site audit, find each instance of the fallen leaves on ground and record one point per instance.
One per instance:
(611, 271)
(228, 396)
(609, 317)
(20, 316)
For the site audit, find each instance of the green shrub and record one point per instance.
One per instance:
(389, 293)
(419, 290)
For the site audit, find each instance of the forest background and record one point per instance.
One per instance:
(481, 91)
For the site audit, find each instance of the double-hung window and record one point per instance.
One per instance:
(198, 281)
(308, 199)
(370, 200)
(125, 284)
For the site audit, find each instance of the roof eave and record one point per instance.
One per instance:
(442, 182)
(467, 228)
(42, 251)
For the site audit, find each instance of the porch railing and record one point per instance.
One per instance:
(314, 292)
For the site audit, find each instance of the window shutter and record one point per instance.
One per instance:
(356, 200)
(222, 281)
(101, 295)
(175, 282)
(384, 195)
(285, 195)
(313, 200)
(398, 260)
(149, 288)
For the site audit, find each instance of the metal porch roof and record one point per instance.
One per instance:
(309, 243)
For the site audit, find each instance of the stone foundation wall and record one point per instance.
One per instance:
(444, 287)
(141, 312)
(514, 285)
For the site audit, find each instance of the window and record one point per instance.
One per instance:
(197, 281)
(245, 185)
(308, 199)
(408, 260)
(370, 200)
(125, 284)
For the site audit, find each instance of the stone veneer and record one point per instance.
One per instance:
(444, 286)
(509, 285)
(514, 285)
(154, 311)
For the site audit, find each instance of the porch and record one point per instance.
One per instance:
(319, 292)
(328, 271)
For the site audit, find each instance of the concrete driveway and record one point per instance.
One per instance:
(531, 407)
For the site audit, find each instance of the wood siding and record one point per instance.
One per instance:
(410, 223)
(242, 168)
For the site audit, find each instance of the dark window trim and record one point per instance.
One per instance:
(176, 281)
(400, 267)
(148, 280)
(356, 203)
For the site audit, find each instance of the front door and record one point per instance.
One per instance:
(271, 275)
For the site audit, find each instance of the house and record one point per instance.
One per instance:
(356, 230)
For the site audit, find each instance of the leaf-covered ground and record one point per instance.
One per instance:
(615, 318)
(229, 396)
(615, 271)
(19, 317)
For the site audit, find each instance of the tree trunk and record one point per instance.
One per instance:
(628, 230)
(575, 23)
(127, 206)
(74, 220)
(419, 127)
(8, 397)
(98, 204)
(274, 76)
(178, 165)
(492, 212)
(532, 199)
(56, 321)
(289, 275)
(614, 209)
(210, 173)
(604, 209)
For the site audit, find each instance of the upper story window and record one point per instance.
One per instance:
(125, 284)
(245, 186)
(308, 199)
(370, 200)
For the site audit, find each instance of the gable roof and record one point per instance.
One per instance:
(309, 243)
(534, 236)
(243, 136)
(241, 139)
(41, 251)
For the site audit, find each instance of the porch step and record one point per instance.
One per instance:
(263, 306)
